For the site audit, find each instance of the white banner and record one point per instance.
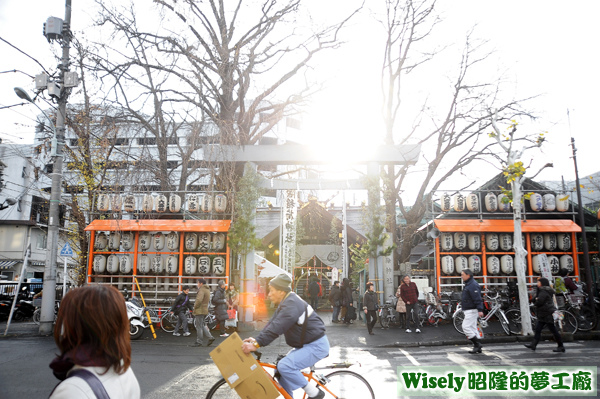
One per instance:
(288, 230)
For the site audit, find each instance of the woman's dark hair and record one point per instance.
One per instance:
(345, 282)
(369, 284)
(563, 272)
(544, 282)
(95, 316)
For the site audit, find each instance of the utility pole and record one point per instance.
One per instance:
(49, 296)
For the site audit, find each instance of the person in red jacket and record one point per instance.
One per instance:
(410, 295)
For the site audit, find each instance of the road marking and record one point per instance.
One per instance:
(409, 357)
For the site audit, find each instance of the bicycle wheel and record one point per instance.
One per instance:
(36, 316)
(383, 319)
(503, 322)
(221, 390)
(210, 321)
(513, 317)
(585, 319)
(168, 322)
(568, 324)
(457, 320)
(346, 384)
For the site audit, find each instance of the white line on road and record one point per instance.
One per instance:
(409, 357)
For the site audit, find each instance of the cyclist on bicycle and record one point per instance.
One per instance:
(304, 331)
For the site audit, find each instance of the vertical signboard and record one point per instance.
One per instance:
(290, 213)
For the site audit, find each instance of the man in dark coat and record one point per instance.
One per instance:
(347, 301)
(181, 304)
(472, 306)
(409, 292)
(544, 310)
(335, 297)
(314, 289)
(370, 307)
(220, 303)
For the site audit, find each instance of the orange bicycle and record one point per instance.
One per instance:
(340, 384)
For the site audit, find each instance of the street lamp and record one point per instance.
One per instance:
(24, 96)
(7, 202)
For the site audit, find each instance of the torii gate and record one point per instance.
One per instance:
(304, 155)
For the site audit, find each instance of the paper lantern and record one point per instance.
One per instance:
(144, 241)
(475, 264)
(472, 202)
(458, 203)
(535, 264)
(206, 203)
(491, 202)
(474, 242)
(506, 264)
(112, 264)
(536, 202)
(116, 203)
(172, 267)
(461, 263)
(100, 241)
(503, 203)
(173, 241)
(193, 203)
(143, 264)
(460, 241)
(550, 242)
(220, 203)
(554, 263)
(103, 202)
(114, 241)
(445, 202)
(127, 240)
(491, 241)
(190, 265)
(147, 203)
(204, 265)
(493, 265)
(158, 240)
(218, 242)
(219, 266)
(99, 264)
(157, 264)
(204, 242)
(562, 202)
(174, 203)
(129, 203)
(125, 265)
(566, 262)
(191, 241)
(160, 203)
(549, 202)
(537, 242)
(563, 241)
(505, 241)
(447, 264)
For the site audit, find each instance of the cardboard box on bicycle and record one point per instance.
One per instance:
(242, 372)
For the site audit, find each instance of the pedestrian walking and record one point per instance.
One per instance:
(233, 297)
(220, 303)
(544, 310)
(409, 292)
(314, 290)
(472, 306)
(92, 336)
(180, 306)
(401, 309)
(347, 301)
(200, 311)
(335, 298)
(370, 307)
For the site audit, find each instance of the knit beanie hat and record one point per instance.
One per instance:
(282, 282)
(544, 282)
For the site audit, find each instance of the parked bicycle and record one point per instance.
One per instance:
(38, 313)
(339, 384)
(168, 321)
(495, 310)
(575, 304)
(565, 322)
(387, 313)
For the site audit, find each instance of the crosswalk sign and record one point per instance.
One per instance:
(66, 250)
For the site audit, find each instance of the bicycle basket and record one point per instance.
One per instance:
(560, 301)
(430, 299)
(456, 296)
(576, 299)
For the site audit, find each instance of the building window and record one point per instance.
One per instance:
(42, 241)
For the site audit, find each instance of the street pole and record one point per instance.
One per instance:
(49, 295)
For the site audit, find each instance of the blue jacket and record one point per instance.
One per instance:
(285, 321)
(471, 296)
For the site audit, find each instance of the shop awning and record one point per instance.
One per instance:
(159, 225)
(7, 264)
(506, 226)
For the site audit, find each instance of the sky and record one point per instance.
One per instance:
(542, 48)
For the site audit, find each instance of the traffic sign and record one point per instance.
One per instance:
(66, 250)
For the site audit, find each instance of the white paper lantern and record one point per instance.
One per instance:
(114, 241)
(143, 264)
(129, 203)
(218, 242)
(112, 264)
(127, 240)
(475, 264)
(206, 203)
(566, 262)
(493, 265)
(491, 202)
(562, 202)
(505, 240)
(173, 241)
(458, 203)
(491, 241)
(100, 242)
(116, 203)
(219, 266)
(535, 264)
(461, 263)
(549, 202)
(472, 201)
(447, 264)
(99, 264)
(191, 241)
(158, 239)
(158, 264)
(537, 242)
(144, 241)
(554, 263)
(550, 242)
(506, 264)
(147, 203)
(503, 203)
(160, 203)
(125, 264)
(220, 203)
(460, 241)
(204, 265)
(193, 203)
(445, 202)
(174, 203)
(190, 265)
(474, 242)
(536, 202)
(564, 241)
(103, 202)
(204, 242)
(172, 267)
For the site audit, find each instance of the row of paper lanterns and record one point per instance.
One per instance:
(504, 241)
(493, 203)
(451, 265)
(202, 242)
(157, 265)
(161, 203)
